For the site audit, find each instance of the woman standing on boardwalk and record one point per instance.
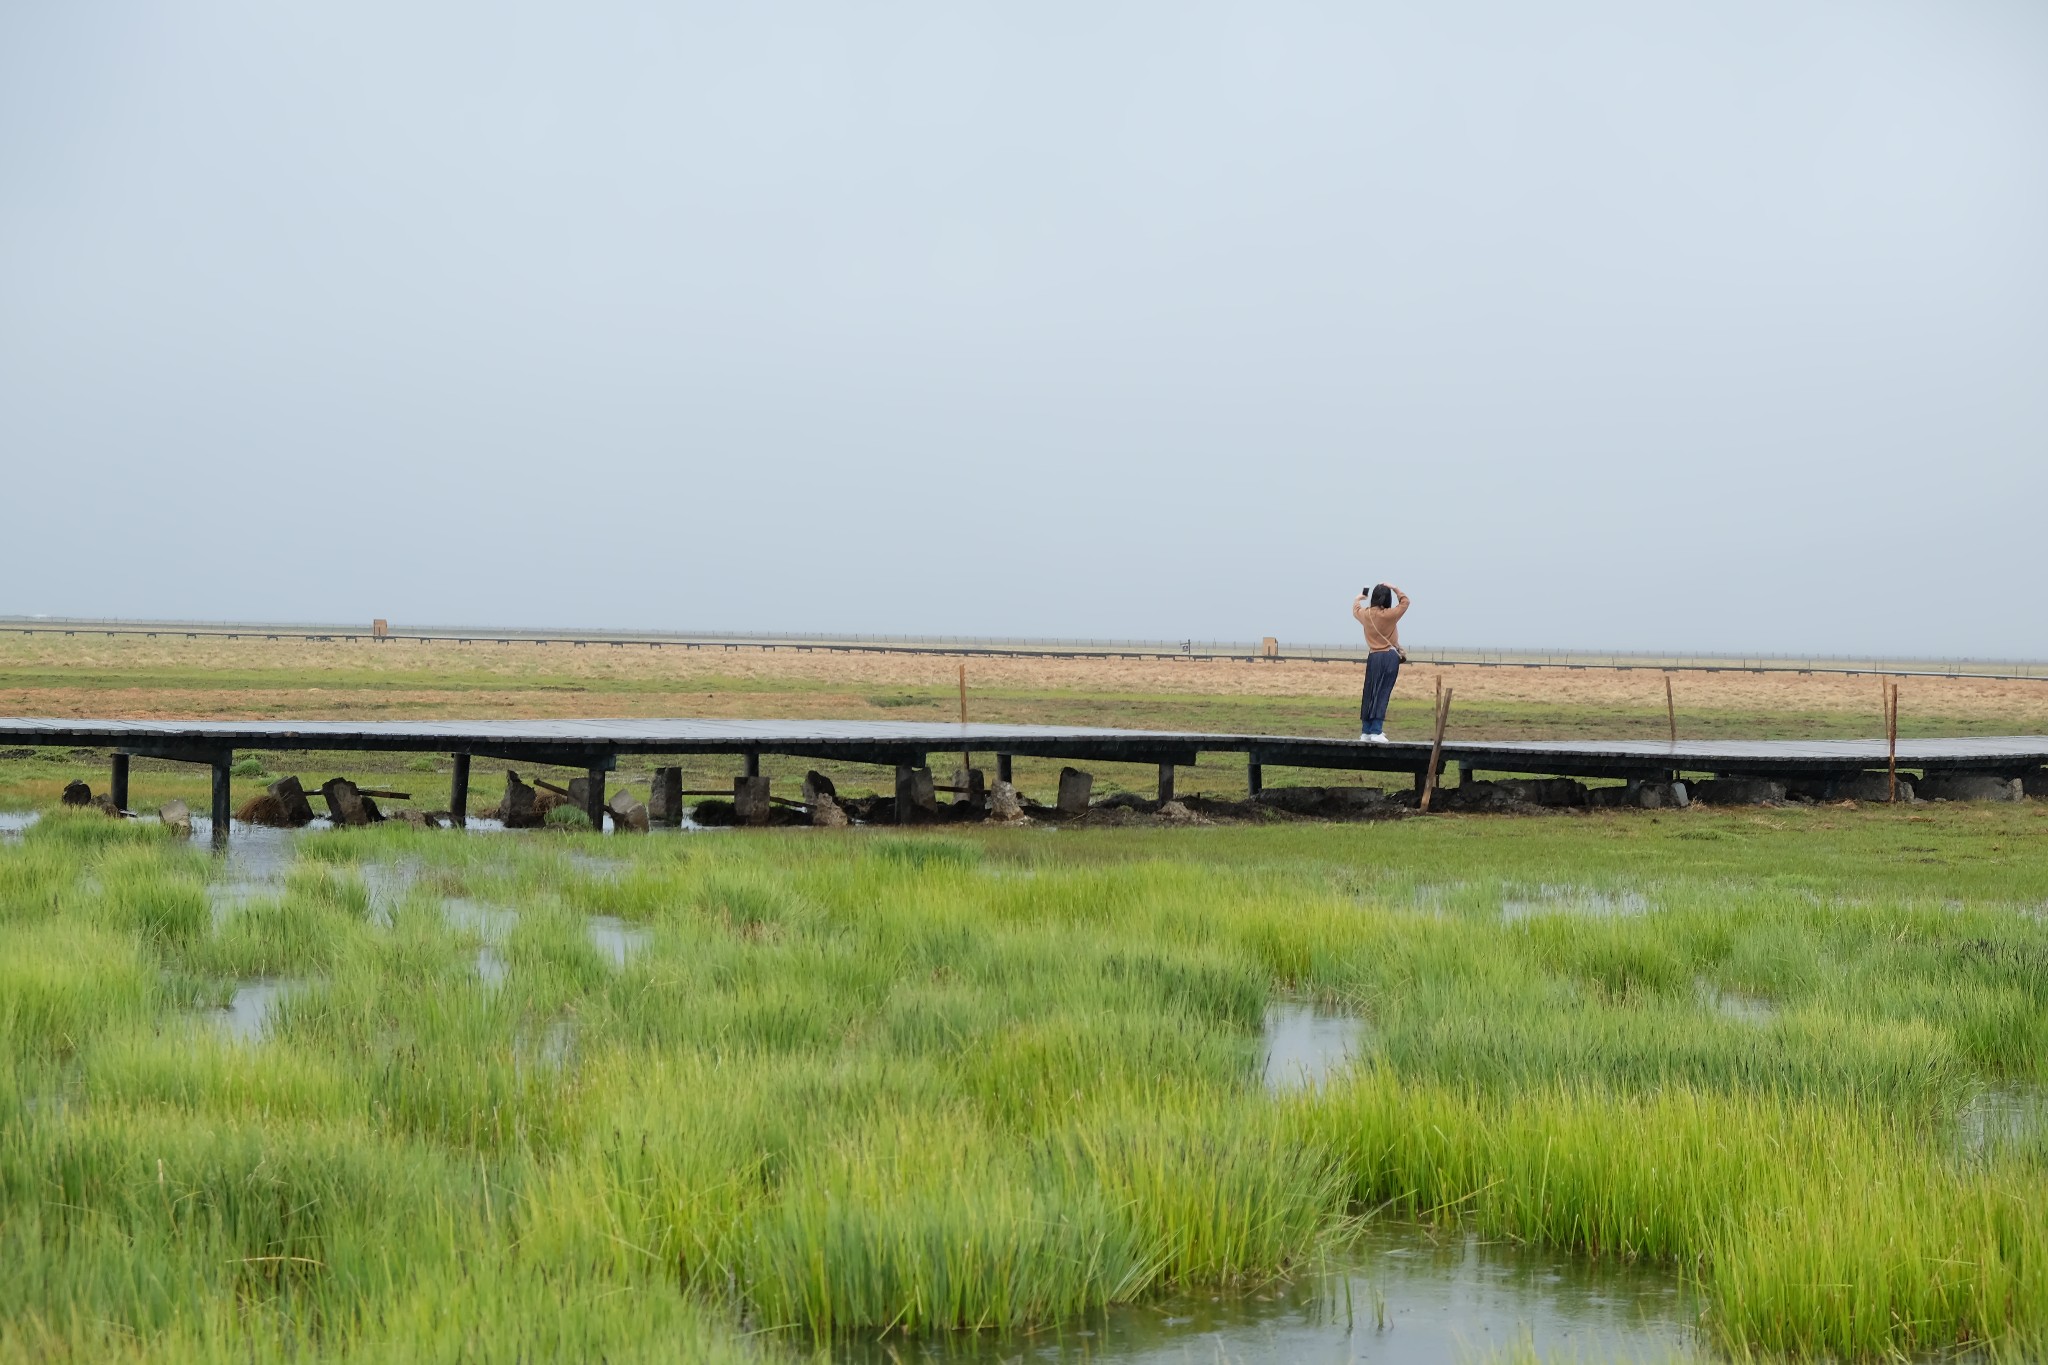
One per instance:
(1380, 613)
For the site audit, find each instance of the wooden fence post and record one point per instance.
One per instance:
(1436, 748)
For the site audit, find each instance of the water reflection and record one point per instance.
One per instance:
(1305, 1047)
(1405, 1297)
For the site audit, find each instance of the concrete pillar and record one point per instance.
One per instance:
(118, 785)
(665, 802)
(750, 803)
(1165, 783)
(458, 792)
(1075, 789)
(915, 795)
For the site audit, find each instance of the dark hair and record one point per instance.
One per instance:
(1382, 595)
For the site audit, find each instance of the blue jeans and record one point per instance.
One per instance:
(1382, 666)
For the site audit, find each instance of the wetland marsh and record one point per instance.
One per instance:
(1301, 1092)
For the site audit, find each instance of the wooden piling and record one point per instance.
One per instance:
(1004, 769)
(593, 796)
(1254, 775)
(117, 785)
(753, 768)
(1670, 709)
(223, 800)
(458, 790)
(1165, 783)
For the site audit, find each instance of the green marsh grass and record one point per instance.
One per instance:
(886, 1082)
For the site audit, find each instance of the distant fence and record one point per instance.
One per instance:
(1038, 647)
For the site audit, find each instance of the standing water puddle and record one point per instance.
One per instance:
(253, 865)
(2003, 1121)
(1745, 1009)
(1305, 1047)
(14, 823)
(246, 1016)
(1405, 1297)
(1574, 900)
(617, 940)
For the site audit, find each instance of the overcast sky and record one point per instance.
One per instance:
(1637, 325)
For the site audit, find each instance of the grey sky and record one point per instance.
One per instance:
(1638, 325)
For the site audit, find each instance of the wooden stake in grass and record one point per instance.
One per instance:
(966, 758)
(1436, 747)
(1891, 732)
(1670, 709)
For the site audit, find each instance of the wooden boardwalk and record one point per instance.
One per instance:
(906, 746)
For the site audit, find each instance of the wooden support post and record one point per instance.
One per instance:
(905, 801)
(118, 784)
(1670, 710)
(223, 801)
(1467, 775)
(1254, 775)
(1165, 783)
(458, 791)
(593, 796)
(753, 768)
(1004, 772)
(1436, 748)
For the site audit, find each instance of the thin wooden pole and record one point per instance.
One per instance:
(966, 758)
(1891, 730)
(1436, 748)
(1670, 709)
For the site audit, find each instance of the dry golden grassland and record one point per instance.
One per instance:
(211, 678)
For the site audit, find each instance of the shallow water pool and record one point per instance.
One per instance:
(1403, 1298)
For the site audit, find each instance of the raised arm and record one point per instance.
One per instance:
(1358, 608)
(1400, 607)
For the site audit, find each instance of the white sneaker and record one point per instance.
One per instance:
(1364, 737)
(1377, 739)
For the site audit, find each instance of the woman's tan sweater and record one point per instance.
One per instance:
(1382, 624)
